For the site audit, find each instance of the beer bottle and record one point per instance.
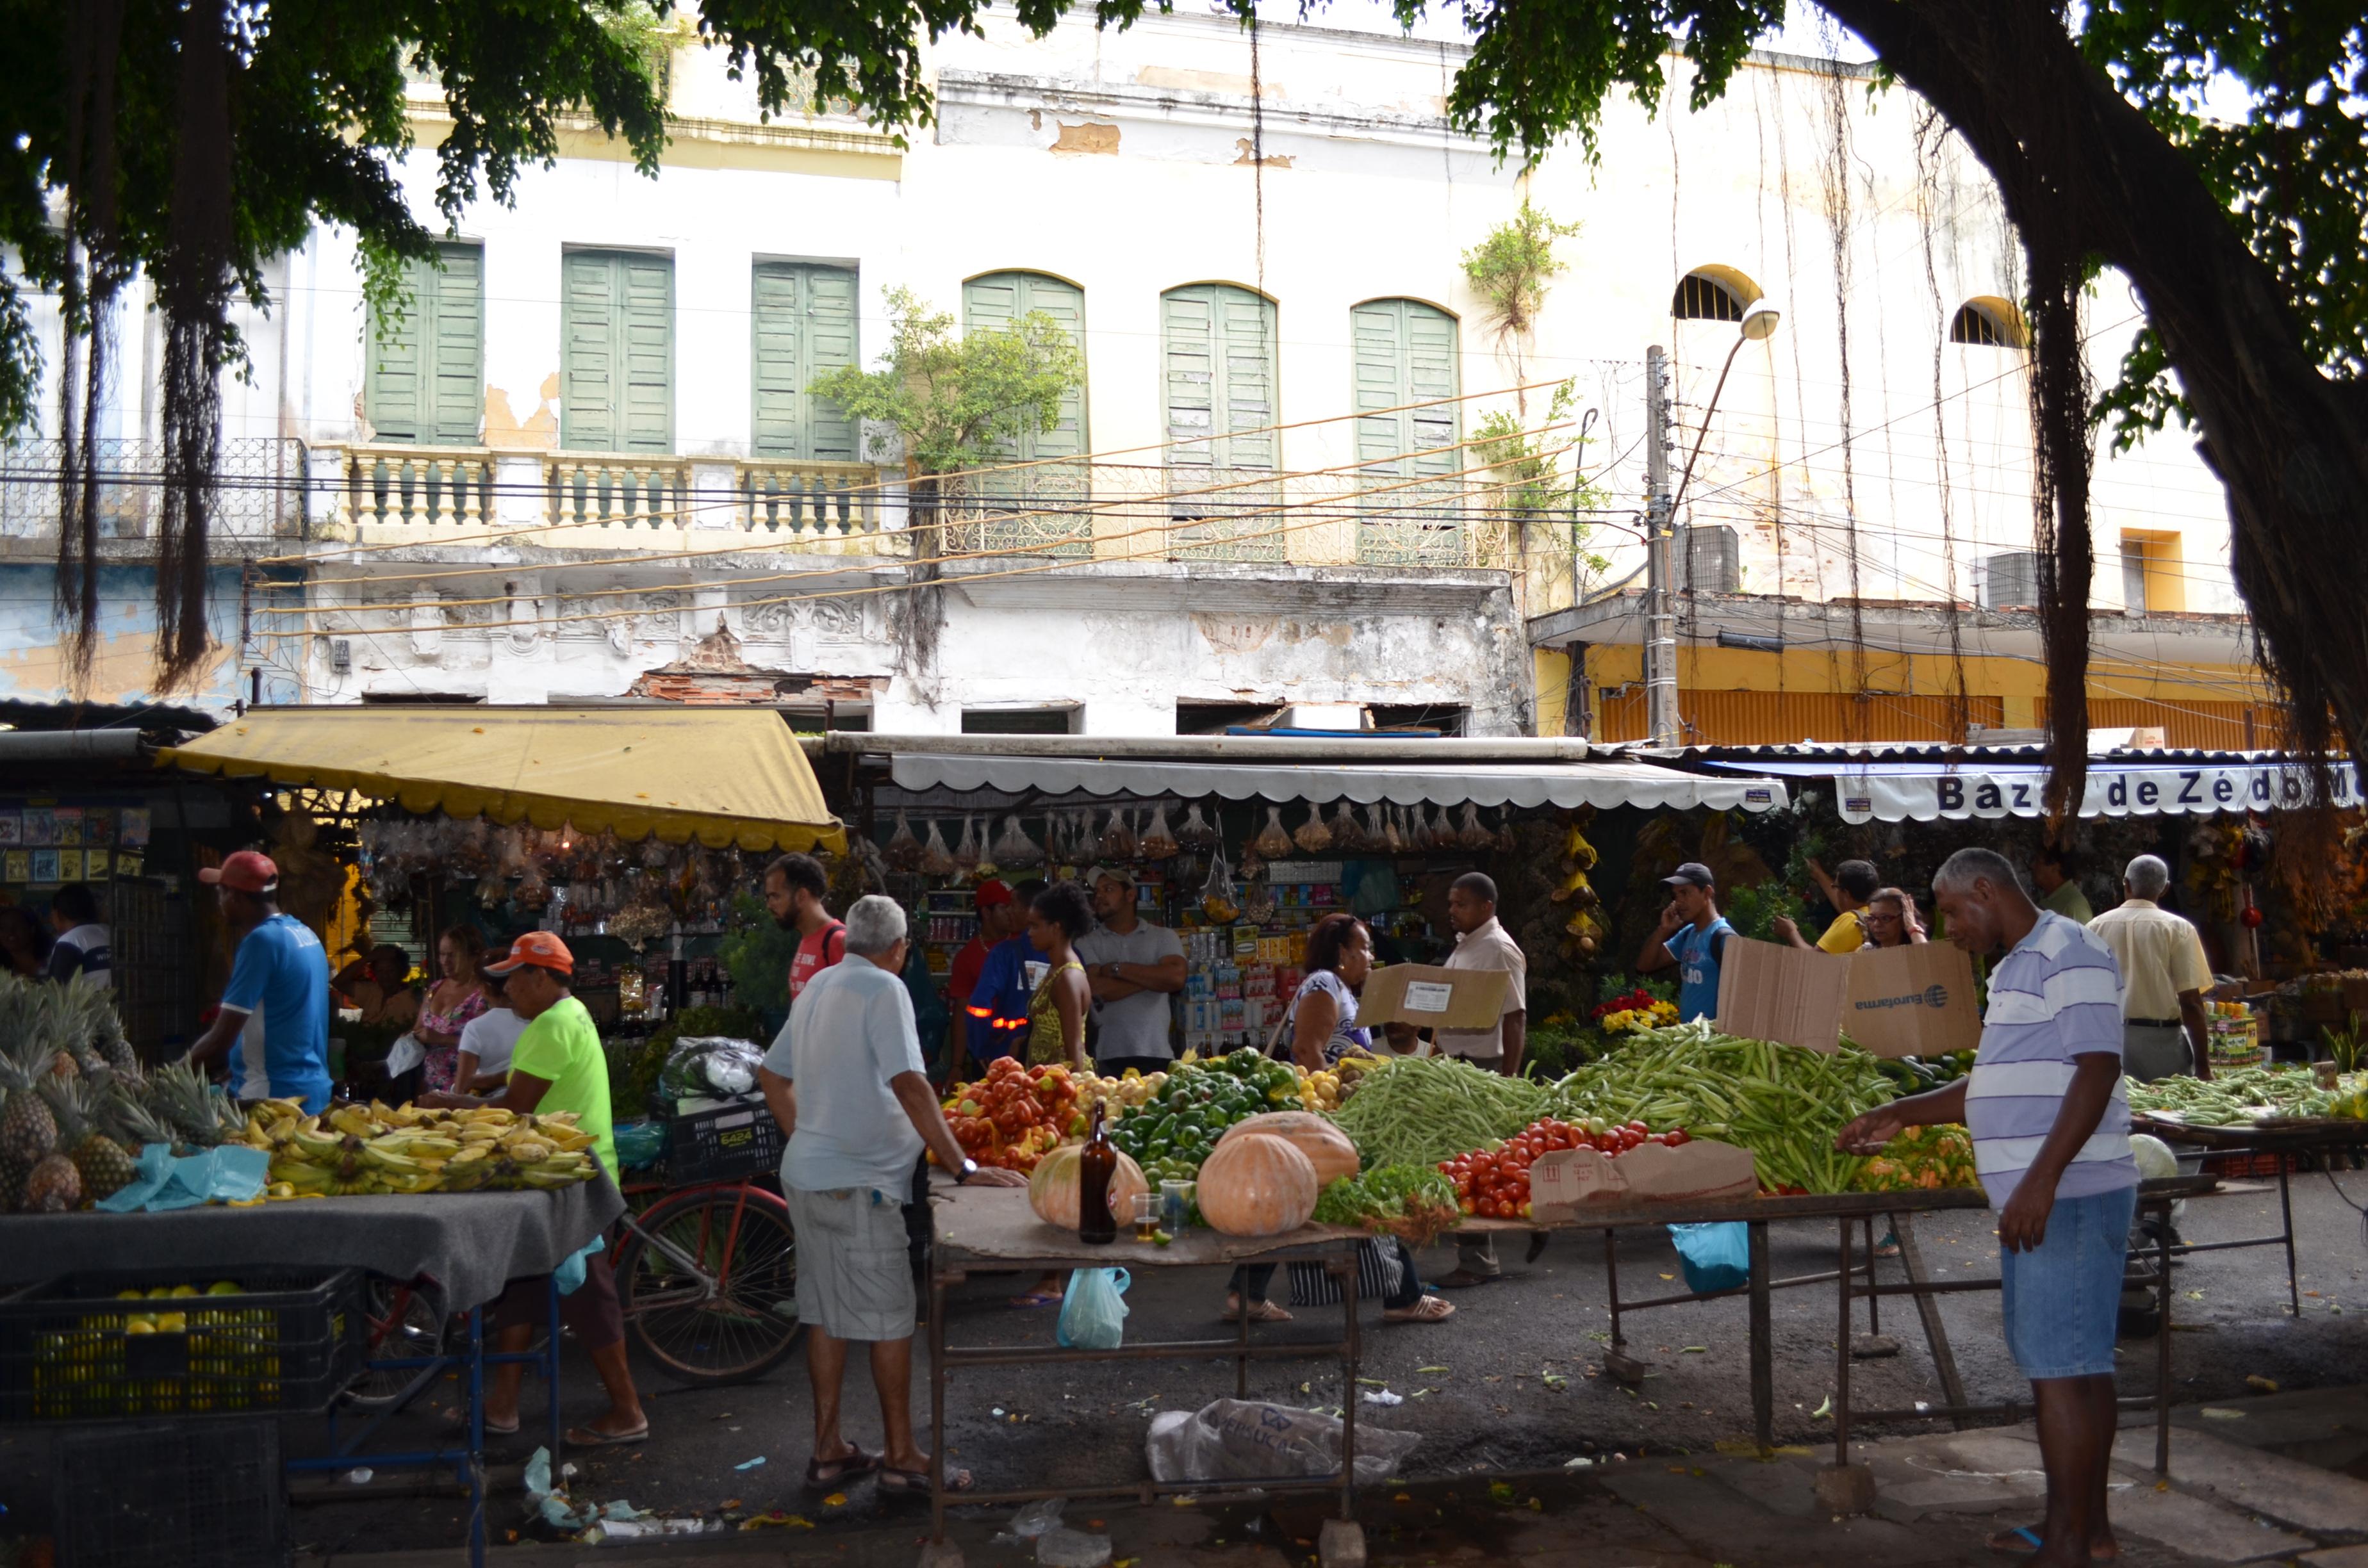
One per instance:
(1096, 1163)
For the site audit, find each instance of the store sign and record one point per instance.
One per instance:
(2198, 789)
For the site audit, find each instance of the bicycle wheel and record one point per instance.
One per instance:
(402, 1325)
(709, 1284)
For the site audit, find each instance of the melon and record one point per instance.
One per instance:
(1327, 1147)
(1257, 1184)
(1052, 1187)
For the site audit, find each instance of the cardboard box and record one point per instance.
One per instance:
(1911, 1001)
(1564, 1183)
(1431, 997)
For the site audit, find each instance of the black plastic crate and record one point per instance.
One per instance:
(208, 1495)
(285, 1341)
(728, 1142)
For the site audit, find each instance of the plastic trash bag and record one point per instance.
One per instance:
(1238, 1439)
(711, 1067)
(1031, 1522)
(1715, 1257)
(1093, 1313)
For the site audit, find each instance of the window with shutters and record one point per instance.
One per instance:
(1989, 323)
(1713, 293)
(616, 347)
(1219, 381)
(1038, 508)
(1407, 431)
(427, 380)
(804, 317)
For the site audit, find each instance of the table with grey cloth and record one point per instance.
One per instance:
(469, 1245)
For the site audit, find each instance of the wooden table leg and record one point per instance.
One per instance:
(1763, 1350)
(1928, 1309)
(1843, 1345)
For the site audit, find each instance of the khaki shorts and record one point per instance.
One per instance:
(855, 1275)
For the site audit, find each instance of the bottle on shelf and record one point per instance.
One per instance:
(1096, 1163)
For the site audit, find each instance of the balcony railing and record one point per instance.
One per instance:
(260, 493)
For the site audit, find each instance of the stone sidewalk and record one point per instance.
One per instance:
(2277, 1479)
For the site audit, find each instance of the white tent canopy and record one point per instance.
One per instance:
(1447, 783)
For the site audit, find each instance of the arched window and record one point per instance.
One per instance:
(1037, 490)
(1986, 321)
(1713, 293)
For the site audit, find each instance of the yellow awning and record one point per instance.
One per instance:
(724, 775)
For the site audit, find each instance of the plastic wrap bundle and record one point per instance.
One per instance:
(1505, 844)
(1313, 836)
(710, 1067)
(967, 852)
(904, 851)
(1196, 834)
(1472, 835)
(1158, 841)
(1234, 1439)
(1348, 837)
(1273, 842)
(1118, 838)
(936, 860)
(1014, 848)
(1218, 900)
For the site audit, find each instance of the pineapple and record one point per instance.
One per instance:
(131, 1123)
(28, 1130)
(102, 1162)
(53, 1186)
(180, 1098)
(96, 1034)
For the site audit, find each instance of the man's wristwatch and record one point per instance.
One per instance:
(967, 1169)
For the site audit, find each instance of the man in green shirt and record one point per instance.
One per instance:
(2057, 875)
(557, 1065)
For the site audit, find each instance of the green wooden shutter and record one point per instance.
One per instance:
(804, 328)
(1000, 298)
(1405, 352)
(1220, 375)
(426, 376)
(617, 346)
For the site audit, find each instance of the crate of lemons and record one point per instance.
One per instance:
(353, 1150)
(100, 1366)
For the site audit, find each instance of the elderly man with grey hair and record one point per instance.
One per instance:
(2164, 976)
(845, 1082)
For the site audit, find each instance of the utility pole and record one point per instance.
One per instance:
(1660, 577)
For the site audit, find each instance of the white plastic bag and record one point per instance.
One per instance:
(1237, 1440)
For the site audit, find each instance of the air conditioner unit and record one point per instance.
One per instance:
(2007, 580)
(1710, 561)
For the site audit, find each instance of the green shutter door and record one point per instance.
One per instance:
(1002, 298)
(618, 352)
(427, 370)
(804, 327)
(1405, 352)
(1219, 377)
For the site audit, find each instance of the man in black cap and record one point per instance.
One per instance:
(1693, 936)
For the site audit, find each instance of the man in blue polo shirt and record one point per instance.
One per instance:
(2052, 1146)
(277, 1004)
(997, 1009)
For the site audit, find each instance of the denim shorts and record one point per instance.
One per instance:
(2062, 1300)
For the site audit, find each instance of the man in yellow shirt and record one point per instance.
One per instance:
(1848, 889)
(2165, 1030)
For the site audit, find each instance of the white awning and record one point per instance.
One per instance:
(1932, 791)
(1482, 784)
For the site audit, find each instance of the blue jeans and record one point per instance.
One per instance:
(2062, 1300)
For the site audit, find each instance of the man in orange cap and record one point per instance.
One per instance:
(557, 1065)
(277, 1004)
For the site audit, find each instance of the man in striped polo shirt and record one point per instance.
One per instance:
(2051, 1141)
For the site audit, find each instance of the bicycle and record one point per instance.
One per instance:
(707, 1277)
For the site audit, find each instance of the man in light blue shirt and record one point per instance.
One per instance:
(277, 1004)
(845, 1082)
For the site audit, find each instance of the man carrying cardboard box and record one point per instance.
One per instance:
(2051, 1143)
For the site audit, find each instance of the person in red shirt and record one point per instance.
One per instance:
(995, 909)
(795, 886)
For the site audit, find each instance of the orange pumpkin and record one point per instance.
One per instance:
(1052, 1187)
(1257, 1184)
(1327, 1147)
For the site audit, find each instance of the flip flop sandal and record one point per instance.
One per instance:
(2030, 1534)
(592, 1438)
(1263, 1312)
(1429, 1308)
(916, 1482)
(1034, 1298)
(457, 1420)
(852, 1467)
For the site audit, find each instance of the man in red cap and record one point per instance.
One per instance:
(557, 1065)
(277, 1004)
(999, 917)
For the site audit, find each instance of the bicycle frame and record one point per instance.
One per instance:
(710, 1285)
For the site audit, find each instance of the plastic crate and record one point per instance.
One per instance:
(169, 1492)
(2245, 1164)
(724, 1143)
(287, 1341)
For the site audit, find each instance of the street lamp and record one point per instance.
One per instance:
(1661, 716)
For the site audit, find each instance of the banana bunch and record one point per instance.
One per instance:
(352, 1150)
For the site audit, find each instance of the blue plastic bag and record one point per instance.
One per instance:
(1716, 1257)
(1093, 1313)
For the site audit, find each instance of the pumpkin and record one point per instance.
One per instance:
(1257, 1184)
(1052, 1187)
(1327, 1147)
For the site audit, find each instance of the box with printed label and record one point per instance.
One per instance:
(1430, 996)
(1564, 1183)
(1909, 1001)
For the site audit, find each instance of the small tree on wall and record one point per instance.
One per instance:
(961, 402)
(1512, 270)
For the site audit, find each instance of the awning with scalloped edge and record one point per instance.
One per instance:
(723, 776)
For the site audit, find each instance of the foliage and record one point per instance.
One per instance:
(756, 951)
(1752, 911)
(1526, 465)
(1512, 269)
(959, 401)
